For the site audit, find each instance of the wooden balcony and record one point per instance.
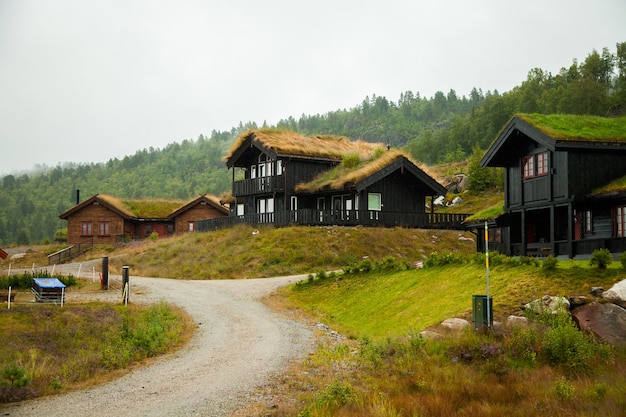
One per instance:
(313, 217)
(261, 185)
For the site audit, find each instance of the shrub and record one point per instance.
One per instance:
(550, 263)
(565, 345)
(622, 259)
(601, 258)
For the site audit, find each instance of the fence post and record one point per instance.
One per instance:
(125, 284)
(105, 273)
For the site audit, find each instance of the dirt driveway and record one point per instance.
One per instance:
(239, 344)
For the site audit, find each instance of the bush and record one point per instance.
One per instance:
(550, 263)
(601, 258)
(622, 259)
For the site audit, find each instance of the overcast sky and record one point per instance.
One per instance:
(86, 81)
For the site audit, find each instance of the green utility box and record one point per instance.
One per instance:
(481, 316)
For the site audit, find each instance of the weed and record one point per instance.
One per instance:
(563, 389)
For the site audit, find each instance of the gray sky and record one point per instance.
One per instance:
(90, 80)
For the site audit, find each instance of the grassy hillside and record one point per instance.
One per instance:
(246, 252)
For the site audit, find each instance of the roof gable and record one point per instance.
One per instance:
(204, 198)
(285, 143)
(366, 172)
(144, 208)
(555, 131)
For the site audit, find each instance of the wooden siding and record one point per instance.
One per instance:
(95, 214)
(589, 170)
(193, 214)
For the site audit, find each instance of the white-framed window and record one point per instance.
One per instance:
(253, 171)
(279, 167)
(374, 205)
(240, 209)
(191, 226)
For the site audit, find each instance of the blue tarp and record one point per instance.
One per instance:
(48, 283)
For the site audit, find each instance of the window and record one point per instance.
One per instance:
(620, 221)
(240, 209)
(588, 222)
(374, 205)
(535, 165)
(191, 226)
(104, 229)
(86, 229)
(528, 166)
(279, 167)
(495, 235)
(542, 163)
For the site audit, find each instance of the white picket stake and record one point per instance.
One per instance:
(62, 295)
(9, 270)
(9, 300)
(79, 268)
(53, 268)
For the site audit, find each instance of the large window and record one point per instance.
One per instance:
(535, 165)
(374, 205)
(620, 221)
(86, 229)
(191, 226)
(104, 229)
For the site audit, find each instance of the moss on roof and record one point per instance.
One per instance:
(351, 171)
(144, 209)
(285, 142)
(567, 127)
(489, 213)
(616, 186)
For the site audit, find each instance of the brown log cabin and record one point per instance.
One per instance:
(564, 186)
(105, 219)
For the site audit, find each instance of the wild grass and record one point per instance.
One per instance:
(385, 368)
(57, 349)
(240, 252)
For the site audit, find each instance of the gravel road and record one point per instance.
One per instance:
(239, 343)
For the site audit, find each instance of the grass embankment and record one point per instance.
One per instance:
(241, 252)
(384, 368)
(48, 349)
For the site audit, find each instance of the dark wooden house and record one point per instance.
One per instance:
(282, 177)
(564, 185)
(104, 219)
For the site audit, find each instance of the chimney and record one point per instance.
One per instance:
(77, 196)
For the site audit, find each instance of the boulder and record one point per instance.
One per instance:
(606, 321)
(516, 321)
(430, 335)
(455, 324)
(577, 301)
(617, 294)
(548, 304)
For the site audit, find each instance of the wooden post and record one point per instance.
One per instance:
(125, 284)
(105, 273)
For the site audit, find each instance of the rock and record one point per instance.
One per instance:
(578, 300)
(548, 304)
(455, 323)
(606, 321)
(617, 293)
(427, 334)
(439, 201)
(516, 321)
(597, 291)
(465, 239)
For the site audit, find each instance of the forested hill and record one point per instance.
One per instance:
(445, 127)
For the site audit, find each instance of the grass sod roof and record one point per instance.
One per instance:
(617, 186)
(575, 128)
(285, 142)
(350, 171)
(144, 209)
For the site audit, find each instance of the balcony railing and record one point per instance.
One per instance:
(312, 217)
(259, 185)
